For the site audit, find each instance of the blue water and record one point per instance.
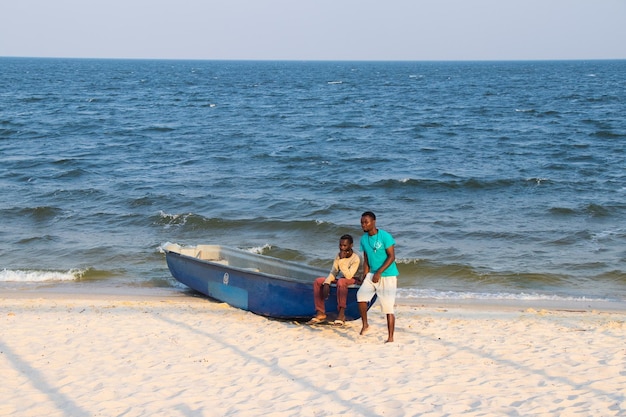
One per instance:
(497, 179)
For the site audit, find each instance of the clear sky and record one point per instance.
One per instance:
(315, 29)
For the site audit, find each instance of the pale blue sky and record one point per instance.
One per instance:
(315, 29)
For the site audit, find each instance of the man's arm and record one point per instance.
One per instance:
(391, 256)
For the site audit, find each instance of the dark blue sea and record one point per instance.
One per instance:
(498, 180)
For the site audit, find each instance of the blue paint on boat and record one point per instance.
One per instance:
(236, 297)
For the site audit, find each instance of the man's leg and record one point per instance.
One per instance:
(320, 308)
(391, 324)
(342, 297)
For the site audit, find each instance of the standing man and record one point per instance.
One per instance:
(380, 271)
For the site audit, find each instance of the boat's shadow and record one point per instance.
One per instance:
(329, 323)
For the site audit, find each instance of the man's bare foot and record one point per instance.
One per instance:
(390, 340)
(364, 330)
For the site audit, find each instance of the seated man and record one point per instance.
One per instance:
(345, 266)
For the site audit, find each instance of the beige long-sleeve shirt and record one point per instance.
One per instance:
(346, 267)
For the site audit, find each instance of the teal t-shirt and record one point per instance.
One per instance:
(376, 249)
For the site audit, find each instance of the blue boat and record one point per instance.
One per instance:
(260, 284)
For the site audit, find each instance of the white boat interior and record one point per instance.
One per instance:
(248, 261)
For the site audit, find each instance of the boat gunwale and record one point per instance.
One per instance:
(217, 264)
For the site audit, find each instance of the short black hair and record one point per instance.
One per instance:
(369, 214)
(347, 237)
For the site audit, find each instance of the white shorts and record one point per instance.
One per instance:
(385, 291)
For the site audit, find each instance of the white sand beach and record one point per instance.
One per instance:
(176, 355)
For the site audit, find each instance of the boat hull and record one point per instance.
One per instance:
(285, 292)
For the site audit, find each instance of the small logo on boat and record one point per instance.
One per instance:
(225, 279)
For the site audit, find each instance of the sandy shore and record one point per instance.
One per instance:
(176, 355)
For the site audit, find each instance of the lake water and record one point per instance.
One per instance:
(497, 179)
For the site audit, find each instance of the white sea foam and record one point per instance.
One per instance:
(7, 275)
(174, 219)
(260, 249)
(605, 235)
(454, 295)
